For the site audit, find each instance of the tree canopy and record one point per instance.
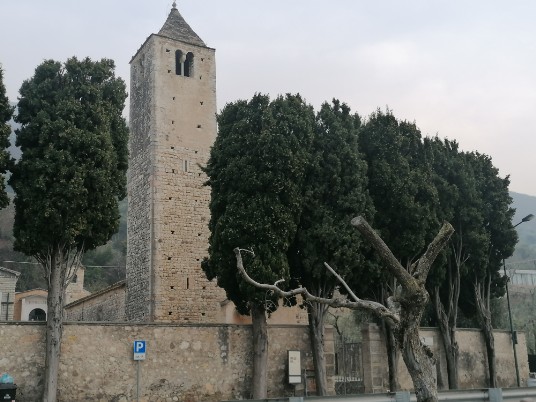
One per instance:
(399, 184)
(73, 139)
(256, 172)
(335, 191)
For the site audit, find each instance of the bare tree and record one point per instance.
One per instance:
(404, 309)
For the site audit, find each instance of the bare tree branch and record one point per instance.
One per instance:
(431, 253)
(339, 278)
(423, 264)
(393, 265)
(375, 308)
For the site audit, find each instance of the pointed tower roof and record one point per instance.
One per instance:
(177, 28)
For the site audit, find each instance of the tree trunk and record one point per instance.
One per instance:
(411, 304)
(448, 335)
(54, 331)
(390, 342)
(317, 314)
(452, 352)
(420, 363)
(482, 296)
(418, 357)
(260, 352)
(392, 356)
(490, 349)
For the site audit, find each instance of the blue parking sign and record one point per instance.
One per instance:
(139, 350)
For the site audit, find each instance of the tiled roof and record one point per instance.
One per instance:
(177, 28)
(9, 271)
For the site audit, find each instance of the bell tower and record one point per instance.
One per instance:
(172, 127)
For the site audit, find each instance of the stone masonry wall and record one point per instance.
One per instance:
(472, 370)
(186, 130)
(139, 176)
(107, 305)
(186, 363)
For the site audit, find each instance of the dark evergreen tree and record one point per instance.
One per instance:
(476, 201)
(404, 197)
(70, 177)
(399, 183)
(498, 239)
(256, 172)
(458, 204)
(335, 192)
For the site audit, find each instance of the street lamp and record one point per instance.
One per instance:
(527, 218)
(512, 333)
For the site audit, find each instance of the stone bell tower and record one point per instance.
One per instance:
(172, 127)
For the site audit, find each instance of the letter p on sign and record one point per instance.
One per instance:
(139, 350)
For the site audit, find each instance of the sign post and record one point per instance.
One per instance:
(139, 350)
(139, 354)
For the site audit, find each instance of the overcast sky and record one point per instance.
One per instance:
(460, 69)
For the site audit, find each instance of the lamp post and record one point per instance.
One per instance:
(512, 333)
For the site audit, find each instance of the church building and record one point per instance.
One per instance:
(172, 129)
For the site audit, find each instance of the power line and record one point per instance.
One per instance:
(85, 266)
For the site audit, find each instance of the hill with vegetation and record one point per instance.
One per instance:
(104, 265)
(525, 252)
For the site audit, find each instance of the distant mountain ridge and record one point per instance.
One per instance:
(526, 247)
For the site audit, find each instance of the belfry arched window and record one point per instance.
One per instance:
(184, 63)
(178, 62)
(189, 64)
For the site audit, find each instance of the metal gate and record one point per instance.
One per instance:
(348, 368)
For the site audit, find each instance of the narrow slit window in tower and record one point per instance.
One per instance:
(187, 283)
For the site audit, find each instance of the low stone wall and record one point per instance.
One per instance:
(473, 359)
(184, 363)
(472, 369)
